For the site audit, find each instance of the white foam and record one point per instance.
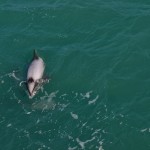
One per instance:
(84, 124)
(9, 125)
(72, 148)
(75, 116)
(87, 95)
(121, 115)
(143, 130)
(82, 144)
(9, 89)
(94, 100)
(11, 74)
(76, 94)
(96, 132)
(63, 95)
(28, 113)
(38, 121)
(101, 148)
(70, 137)
(63, 106)
(19, 101)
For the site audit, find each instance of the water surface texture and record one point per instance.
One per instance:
(97, 54)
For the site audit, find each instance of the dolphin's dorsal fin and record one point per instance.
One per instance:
(35, 55)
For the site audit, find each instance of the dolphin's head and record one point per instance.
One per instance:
(31, 86)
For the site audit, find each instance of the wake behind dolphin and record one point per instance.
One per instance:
(35, 74)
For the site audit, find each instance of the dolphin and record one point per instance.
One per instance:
(35, 74)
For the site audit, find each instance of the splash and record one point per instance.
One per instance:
(46, 102)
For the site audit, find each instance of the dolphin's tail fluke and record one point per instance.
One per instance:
(35, 55)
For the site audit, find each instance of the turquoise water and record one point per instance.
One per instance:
(97, 54)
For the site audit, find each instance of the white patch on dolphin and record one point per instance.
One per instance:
(35, 74)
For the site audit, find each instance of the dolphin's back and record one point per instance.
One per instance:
(36, 69)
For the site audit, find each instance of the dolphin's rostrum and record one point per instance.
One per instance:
(35, 74)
